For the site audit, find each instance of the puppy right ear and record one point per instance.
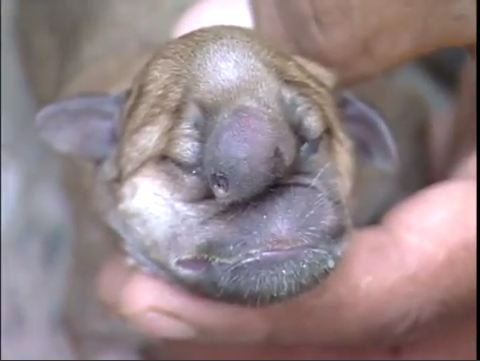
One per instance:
(369, 132)
(84, 126)
(321, 73)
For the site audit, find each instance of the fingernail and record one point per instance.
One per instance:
(163, 326)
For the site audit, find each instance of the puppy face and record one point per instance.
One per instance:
(227, 166)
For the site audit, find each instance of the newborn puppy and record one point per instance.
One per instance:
(227, 167)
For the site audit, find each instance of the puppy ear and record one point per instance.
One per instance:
(370, 134)
(321, 73)
(84, 126)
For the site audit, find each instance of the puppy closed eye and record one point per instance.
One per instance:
(185, 167)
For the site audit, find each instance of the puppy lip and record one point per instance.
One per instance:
(224, 203)
(201, 263)
(274, 254)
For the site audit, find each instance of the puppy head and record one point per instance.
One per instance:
(226, 167)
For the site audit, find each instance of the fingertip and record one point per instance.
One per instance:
(139, 294)
(112, 278)
(163, 326)
(207, 13)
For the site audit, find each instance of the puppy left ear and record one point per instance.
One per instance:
(369, 132)
(84, 126)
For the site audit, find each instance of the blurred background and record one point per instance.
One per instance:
(35, 225)
(36, 216)
(39, 59)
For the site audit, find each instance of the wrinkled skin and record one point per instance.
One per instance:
(347, 37)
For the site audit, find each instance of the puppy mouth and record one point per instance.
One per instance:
(281, 244)
(272, 256)
(257, 278)
(265, 257)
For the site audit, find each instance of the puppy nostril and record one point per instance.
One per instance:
(219, 183)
